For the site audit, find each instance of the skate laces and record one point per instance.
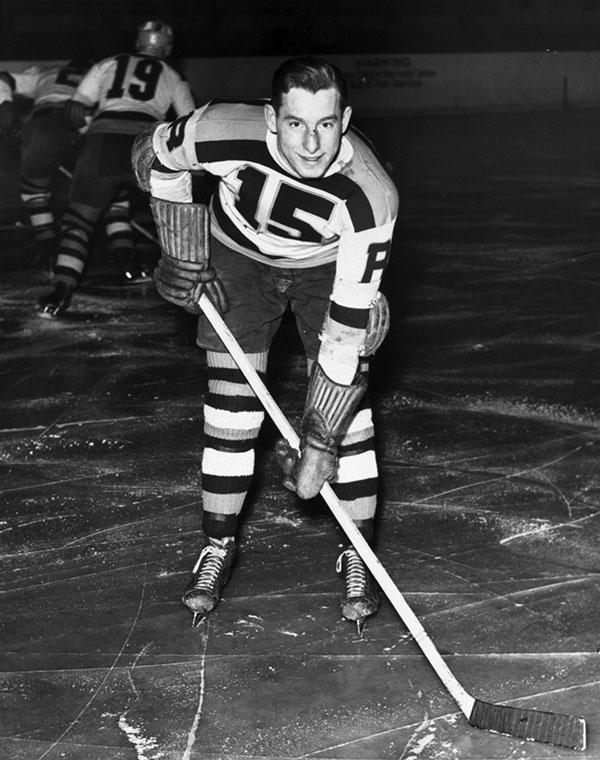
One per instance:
(356, 573)
(208, 566)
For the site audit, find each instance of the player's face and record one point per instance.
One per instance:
(309, 128)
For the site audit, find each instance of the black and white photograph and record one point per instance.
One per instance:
(300, 380)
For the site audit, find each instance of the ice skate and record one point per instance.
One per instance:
(138, 273)
(55, 303)
(360, 598)
(209, 575)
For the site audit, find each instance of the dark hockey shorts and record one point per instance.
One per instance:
(102, 169)
(259, 295)
(47, 143)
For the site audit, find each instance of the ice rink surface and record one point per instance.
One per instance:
(487, 399)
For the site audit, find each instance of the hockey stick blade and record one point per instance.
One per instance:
(532, 725)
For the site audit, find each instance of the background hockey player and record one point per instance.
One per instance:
(47, 141)
(303, 218)
(125, 92)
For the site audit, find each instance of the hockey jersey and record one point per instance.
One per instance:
(267, 213)
(50, 86)
(130, 90)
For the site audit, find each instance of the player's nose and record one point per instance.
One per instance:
(311, 141)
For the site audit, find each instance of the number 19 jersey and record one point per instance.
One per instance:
(131, 90)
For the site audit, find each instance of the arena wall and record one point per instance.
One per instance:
(395, 83)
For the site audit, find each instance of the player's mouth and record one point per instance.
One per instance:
(312, 159)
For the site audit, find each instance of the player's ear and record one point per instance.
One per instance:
(270, 118)
(346, 116)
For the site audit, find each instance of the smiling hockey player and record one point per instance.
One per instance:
(303, 218)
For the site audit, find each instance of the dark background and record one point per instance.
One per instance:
(57, 29)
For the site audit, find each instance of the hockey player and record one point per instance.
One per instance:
(303, 217)
(47, 142)
(124, 92)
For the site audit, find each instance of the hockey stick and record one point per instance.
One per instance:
(135, 225)
(533, 725)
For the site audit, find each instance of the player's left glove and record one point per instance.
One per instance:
(74, 113)
(183, 272)
(378, 326)
(328, 409)
(10, 124)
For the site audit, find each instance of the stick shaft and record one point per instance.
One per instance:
(464, 700)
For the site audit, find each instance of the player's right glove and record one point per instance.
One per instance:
(10, 124)
(183, 282)
(183, 272)
(142, 156)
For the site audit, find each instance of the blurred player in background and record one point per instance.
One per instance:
(302, 218)
(124, 93)
(48, 143)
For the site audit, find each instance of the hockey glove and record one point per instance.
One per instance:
(10, 124)
(184, 273)
(183, 282)
(377, 327)
(75, 113)
(328, 409)
(142, 156)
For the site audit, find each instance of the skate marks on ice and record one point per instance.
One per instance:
(487, 394)
(64, 736)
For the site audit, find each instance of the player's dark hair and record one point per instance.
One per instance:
(308, 73)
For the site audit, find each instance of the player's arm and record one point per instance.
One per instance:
(80, 107)
(356, 324)
(171, 156)
(20, 83)
(183, 100)
(89, 89)
(10, 125)
(361, 262)
(7, 87)
(9, 119)
(184, 272)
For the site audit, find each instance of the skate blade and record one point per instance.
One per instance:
(47, 314)
(360, 627)
(197, 619)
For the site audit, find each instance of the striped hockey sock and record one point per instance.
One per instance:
(119, 232)
(232, 419)
(356, 482)
(76, 231)
(37, 199)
